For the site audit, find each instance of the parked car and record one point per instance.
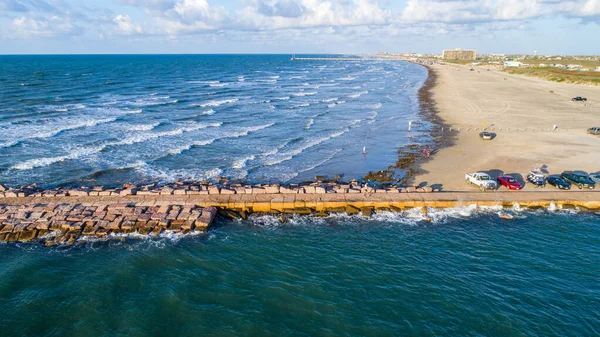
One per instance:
(594, 131)
(595, 177)
(578, 99)
(558, 182)
(482, 180)
(578, 179)
(485, 135)
(510, 183)
(537, 179)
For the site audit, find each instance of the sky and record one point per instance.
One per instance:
(548, 27)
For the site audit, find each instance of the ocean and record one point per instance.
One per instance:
(467, 273)
(106, 120)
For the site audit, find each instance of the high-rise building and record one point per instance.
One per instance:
(459, 54)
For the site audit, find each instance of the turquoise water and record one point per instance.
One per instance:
(466, 273)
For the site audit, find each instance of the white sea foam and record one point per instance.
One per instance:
(86, 151)
(331, 105)
(304, 93)
(218, 85)
(328, 100)
(181, 149)
(216, 103)
(358, 94)
(208, 112)
(289, 155)
(276, 150)
(143, 127)
(377, 106)
(347, 78)
(310, 122)
(241, 163)
(51, 130)
(285, 98)
(236, 134)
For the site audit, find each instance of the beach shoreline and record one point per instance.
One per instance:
(520, 111)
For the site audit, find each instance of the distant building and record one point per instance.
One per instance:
(459, 54)
(513, 64)
(597, 69)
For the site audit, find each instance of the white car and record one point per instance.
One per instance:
(482, 180)
(595, 177)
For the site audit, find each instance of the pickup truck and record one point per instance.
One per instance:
(482, 180)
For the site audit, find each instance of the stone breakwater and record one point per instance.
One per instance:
(206, 188)
(70, 216)
(69, 223)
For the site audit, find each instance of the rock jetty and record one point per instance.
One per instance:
(66, 216)
(207, 188)
(64, 223)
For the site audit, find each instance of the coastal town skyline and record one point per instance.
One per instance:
(294, 26)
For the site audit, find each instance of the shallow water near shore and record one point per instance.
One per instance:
(106, 120)
(466, 273)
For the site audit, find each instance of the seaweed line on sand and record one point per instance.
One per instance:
(410, 157)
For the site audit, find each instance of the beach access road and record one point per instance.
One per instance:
(534, 122)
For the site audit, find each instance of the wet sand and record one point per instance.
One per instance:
(466, 100)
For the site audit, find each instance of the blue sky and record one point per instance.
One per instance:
(299, 26)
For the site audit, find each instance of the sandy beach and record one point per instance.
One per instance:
(522, 112)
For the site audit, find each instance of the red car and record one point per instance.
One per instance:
(510, 183)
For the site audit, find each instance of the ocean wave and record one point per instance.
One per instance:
(53, 130)
(328, 100)
(187, 147)
(81, 152)
(347, 78)
(301, 105)
(304, 93)
(168, 175)
(208, 112)
(376, 106)
(62, 108)
(289, 155)
(326, 159)
(358, 94)
(278, 148)
(241, 163)
(285, 98)
(218, 85)
(143, 127)
(310, 122)
(236, 134)
(216, 103)
(153, 101)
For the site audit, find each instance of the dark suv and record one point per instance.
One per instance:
(579, 179)
(578, 99)
(594, 131)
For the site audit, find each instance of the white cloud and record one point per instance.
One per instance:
(457, 11)
(30, 27)
(312, 13)
(125, 26)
